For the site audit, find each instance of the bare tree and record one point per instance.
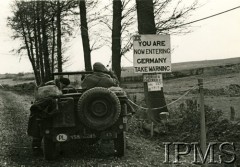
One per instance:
(39, 42)
(59, 34)
(21, 24)
(34, 24)
(45, 44)
(62, 10)
(121, 24)
(170, 15)
(53, 44)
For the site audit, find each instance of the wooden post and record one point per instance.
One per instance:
(141, 124)
(134, 98)
(152, 130)
(232, 114)
(203, 123)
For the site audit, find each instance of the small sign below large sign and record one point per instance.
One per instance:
(152, 78)
(154, 86)
(152, 54)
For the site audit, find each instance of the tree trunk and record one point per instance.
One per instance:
(40, 43)
(85, 36)
(146, 25)
(59, 41)
(116, 38)
(45, 44)
(36, 51)
(53, 44)
(146, 22)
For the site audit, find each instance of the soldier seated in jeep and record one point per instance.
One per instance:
(100, 77)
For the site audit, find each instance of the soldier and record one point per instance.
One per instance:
(39, 109)
(101, 77)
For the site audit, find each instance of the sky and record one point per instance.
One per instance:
(214, 38)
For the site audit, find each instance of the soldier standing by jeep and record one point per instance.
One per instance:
(41, 107)
(101, 77)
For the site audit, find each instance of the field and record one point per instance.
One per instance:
(221, 92)
(14, 79)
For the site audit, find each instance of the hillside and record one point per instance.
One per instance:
(208, 67)
(175, 66)
(204, 64)
(188, 66)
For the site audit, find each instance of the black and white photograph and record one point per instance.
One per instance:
(120, 83)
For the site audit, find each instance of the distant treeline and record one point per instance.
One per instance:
(21, 88)
(17, 77)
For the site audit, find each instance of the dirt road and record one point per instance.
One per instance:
(16, 150)
(14, 142)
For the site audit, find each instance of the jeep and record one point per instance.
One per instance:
(95, 114)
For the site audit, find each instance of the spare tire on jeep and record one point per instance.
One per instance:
(99, 108)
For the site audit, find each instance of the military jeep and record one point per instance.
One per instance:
(95, 114)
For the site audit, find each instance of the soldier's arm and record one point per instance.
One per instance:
(114, 77)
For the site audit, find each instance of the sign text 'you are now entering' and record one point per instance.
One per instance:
(152, 54)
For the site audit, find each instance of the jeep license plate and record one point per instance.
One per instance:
(87, 136)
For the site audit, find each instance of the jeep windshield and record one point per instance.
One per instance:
(75, 78)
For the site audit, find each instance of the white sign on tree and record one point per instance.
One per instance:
(152, 54)
(154, 81)
(153, 78)
(154, 86)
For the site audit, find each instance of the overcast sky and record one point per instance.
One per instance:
(214, 38)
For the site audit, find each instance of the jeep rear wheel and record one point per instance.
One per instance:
(120, 144)
(49, 149)
(99, 108)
